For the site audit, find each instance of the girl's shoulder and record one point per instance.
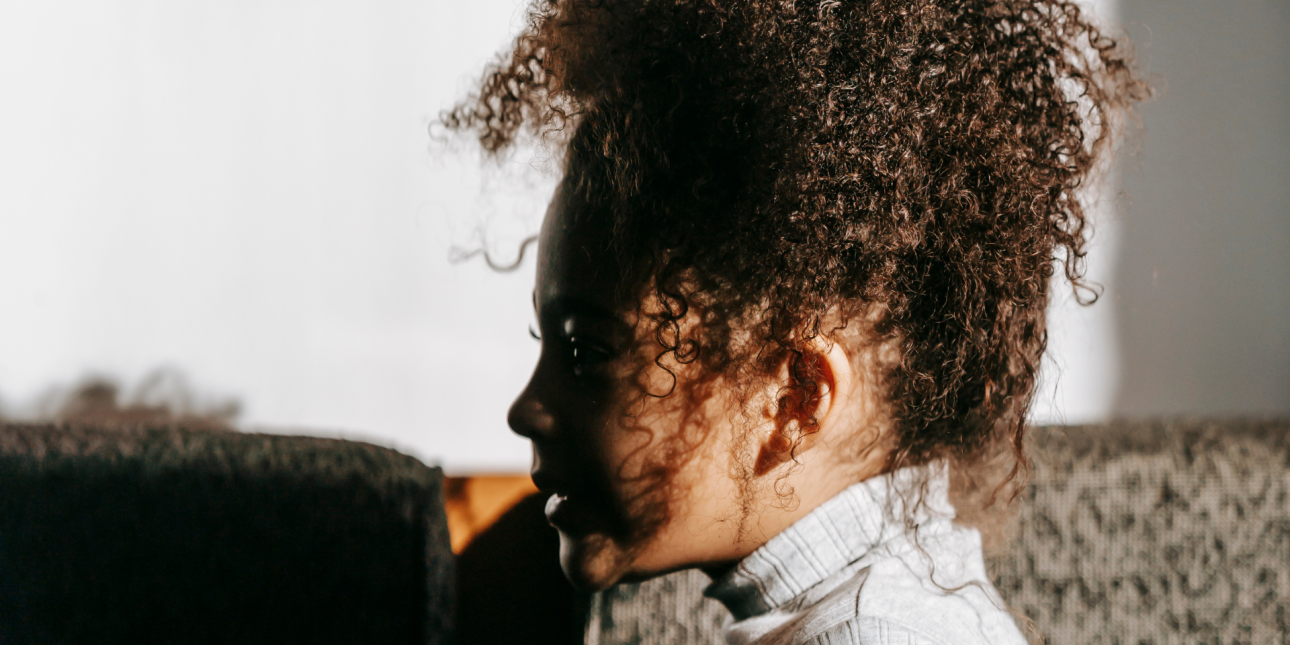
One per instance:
(934, 594)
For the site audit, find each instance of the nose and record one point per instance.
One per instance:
(530, 418)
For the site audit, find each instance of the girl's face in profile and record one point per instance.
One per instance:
(653, 465)
(598, 439)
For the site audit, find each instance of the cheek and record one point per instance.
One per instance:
(628, 448)
(706, 453)
(635, 447)
(666, 464)
(706, 503)
(684, 482)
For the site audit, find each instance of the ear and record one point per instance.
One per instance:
(804, 413)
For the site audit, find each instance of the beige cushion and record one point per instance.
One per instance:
(1152, 532)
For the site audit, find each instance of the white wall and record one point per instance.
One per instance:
(243, 190)
(1204, 276)
(1080, 374)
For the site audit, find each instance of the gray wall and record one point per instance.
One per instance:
(1202, 286)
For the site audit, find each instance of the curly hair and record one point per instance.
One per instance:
(912, 164)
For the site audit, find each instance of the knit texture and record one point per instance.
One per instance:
(162, 534)
(1150, 533)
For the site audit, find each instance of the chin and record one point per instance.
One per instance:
(593, 562)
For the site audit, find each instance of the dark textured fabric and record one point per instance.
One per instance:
(1148, 533)
(151, 535)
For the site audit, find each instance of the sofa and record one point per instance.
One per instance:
(164, 534)
(1129, 533)
(1160, 532)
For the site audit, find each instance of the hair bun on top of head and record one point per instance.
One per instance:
(911, 164)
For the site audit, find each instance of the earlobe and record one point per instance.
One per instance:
(775, 450)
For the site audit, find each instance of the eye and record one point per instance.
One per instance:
(588, 343)
(534, 333)
(588, 355)
(586, 352)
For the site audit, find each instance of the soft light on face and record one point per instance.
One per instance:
(651, 467)
(640, 484)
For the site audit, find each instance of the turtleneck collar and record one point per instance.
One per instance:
(839, 532)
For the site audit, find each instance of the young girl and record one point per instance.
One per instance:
(791, 290)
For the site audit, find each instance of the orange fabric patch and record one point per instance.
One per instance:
(474, 503)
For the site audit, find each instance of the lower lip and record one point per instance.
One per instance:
(567, 514)
(554, 503)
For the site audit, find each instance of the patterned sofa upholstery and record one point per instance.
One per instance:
(172, 535)
(1129, 534)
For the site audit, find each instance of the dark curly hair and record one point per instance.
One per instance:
(783, 165)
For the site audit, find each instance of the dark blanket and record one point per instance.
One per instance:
(151, 535)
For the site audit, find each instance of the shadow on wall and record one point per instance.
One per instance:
(162, 397)
(1203, 284)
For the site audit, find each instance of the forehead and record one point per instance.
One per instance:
(574, 260)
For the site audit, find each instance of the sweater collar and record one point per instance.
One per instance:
(837, 533)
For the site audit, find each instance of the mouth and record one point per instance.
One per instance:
(547, 482)
(554, 506)
(569, 509)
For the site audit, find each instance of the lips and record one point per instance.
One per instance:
(573, 515)
(550, 483)
(569, 510)
(553, 505)
(558, 509)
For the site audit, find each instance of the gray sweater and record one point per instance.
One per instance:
(852, 571)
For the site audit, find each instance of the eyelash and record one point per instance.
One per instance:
(598, 354)
(587, 358)
(585, 355)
